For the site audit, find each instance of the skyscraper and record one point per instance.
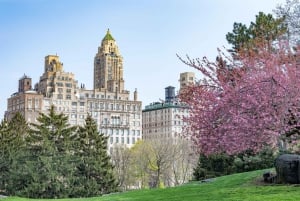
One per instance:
(108, 66)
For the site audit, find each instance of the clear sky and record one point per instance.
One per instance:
(149, 33)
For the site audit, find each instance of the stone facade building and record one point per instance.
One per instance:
(117, 116)
(26, 101)
(164, 119)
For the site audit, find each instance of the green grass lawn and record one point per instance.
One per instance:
(237, 187)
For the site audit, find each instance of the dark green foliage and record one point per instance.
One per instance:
(50, 159)
(94, 172)
(264, 30)
(214, 166)
(249, 161)
(12, 136)
(223, 164)
(53, 159)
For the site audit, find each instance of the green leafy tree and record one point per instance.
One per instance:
(50, 160)
(94, 173)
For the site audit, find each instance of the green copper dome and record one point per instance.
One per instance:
(108, 36)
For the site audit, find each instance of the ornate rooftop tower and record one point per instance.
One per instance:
(108, 66)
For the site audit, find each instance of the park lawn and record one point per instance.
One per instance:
(236, 187)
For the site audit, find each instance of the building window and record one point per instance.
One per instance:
(59, 96)
(36, 103)
(29, 103)
(59, 84)
(69, 85)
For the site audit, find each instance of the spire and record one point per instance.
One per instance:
(108, 36)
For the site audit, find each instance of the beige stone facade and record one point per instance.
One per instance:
(117, 115)
(26, 101)
(186, 78)
(163, 120)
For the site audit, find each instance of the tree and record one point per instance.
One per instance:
(170, 161)
(254, 111)
(184, 161)
(139, 165)
(94, 172)
(121, 159)
(290, 12)
(50, 159)
(12, 136)
(266, 29)
(5, 157)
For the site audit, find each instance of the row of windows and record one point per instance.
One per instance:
(61, 90)
(168, 123)
(121, 140)
(122, 132)
(111, 106)
(64, 78)
(107, 97)
(161, 112)
(74, 116)
(61, 84)
(163, 131)
(61, 96)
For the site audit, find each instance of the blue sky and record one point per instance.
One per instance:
(149, 35)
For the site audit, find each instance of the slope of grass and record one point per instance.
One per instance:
(237, 187)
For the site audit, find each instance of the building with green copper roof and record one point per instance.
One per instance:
(108, 36)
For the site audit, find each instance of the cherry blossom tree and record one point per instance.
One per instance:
(246, 102)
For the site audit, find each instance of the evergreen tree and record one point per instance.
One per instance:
(94, 172)
(18, 129)
(265, 30)
(50, 162)
(4, 156)
(12, 135)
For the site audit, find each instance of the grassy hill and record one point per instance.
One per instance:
(237, 187)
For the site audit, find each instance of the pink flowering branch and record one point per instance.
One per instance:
(244, 103)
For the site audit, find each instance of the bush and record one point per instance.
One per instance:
(213, 166)
(222, 164)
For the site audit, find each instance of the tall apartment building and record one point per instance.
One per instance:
(164, 119)
(117, 116)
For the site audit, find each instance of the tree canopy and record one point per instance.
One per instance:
(51, 159)
(259, 108)
(265, 29)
